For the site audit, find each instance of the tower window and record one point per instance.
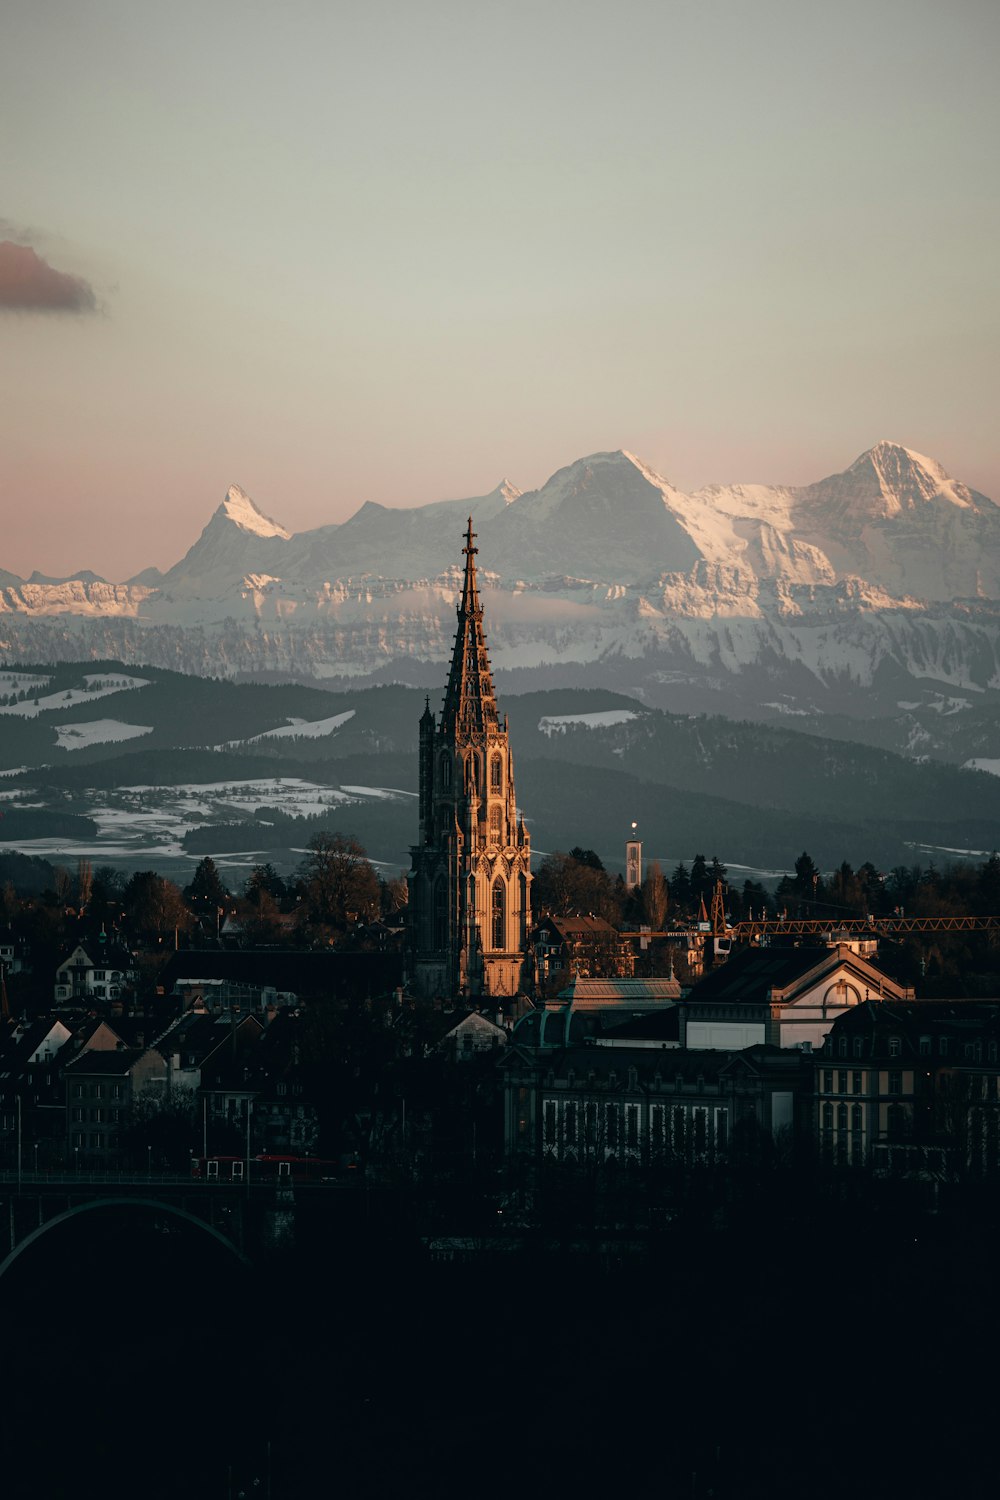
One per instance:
(445, 772)
(495, 824)
(441, 913)
(496, 774)
(499, 914)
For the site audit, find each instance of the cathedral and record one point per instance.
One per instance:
(470, 886)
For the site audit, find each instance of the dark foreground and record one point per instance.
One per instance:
(844, 1352)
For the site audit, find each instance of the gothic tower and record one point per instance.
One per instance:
(470, 886)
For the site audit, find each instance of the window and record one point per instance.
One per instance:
(842, 1082)
(943, 1046)
(991, 1052)
(842, 1046)
(632, 1126)
(496, 774)
(116, 1091)
(495, 824)
(444, 772)
(78, 1091)
(721, 1129)
(895, 1083)
(611, 1126)
(549, 1124)
(858, 1046)
(856, 1119)
(77, 1113)
(569, 1124)
(828, 1081)
(441, 912)
(895, 1046)
(856, 1083)
(828, 1119)
(99, 974)
(925, 1046)
(656, 1133)
(499, 914)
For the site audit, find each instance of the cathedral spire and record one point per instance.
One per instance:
(470, 700)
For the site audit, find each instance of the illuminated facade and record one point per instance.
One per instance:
(470, 885)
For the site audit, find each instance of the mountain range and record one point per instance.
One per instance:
(864, 605)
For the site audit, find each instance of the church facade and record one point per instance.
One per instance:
(470, 885)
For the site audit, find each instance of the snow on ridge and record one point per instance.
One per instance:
(558, 723)
(241, 510)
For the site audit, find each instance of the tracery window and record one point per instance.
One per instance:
(499, 913)
(495, 824)
(496, 774)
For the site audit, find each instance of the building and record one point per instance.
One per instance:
(470, 885)
(584, 945)
(912, 1087)
(102, 1089)
(630, 1102)
(789, 997)
(97, 972)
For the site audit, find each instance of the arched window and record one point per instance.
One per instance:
(472, 774)
(445, 772)
(496, 774)
(495, 824)
(498, 925)
(441, 912)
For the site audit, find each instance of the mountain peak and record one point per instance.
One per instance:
(240, 509)
(506, 492)
(887, 481)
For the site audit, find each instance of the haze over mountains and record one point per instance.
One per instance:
(745, 599)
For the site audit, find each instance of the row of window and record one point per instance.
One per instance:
(472, 773)
(971, 1051)
(610, 1127)
(97, 1116)
(98, 1091)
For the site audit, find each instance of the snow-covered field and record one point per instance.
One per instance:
(97, 732)
(295, 729)
(98, 686)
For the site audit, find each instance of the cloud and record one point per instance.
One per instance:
(30, 284)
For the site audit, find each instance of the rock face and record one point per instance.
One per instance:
(886, 572)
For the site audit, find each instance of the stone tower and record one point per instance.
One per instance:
(470, 886)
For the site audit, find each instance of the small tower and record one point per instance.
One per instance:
(633, 861)
(470, 885)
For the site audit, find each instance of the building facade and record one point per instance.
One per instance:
(470, 885)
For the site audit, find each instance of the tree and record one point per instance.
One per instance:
(153, 904)
(563, 885)
(680, 886)
(655, 897)
(264, 879)
(339, 886)
(206, 893)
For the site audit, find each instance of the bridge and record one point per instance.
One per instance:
(251, 1220)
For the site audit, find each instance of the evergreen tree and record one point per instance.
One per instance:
(206, 893)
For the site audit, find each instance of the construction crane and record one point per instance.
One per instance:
(895, 925)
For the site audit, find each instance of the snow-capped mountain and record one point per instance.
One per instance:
(770, 597)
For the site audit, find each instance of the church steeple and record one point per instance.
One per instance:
(470, 884)
(470, 706)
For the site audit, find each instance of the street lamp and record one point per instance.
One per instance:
(149, 1161)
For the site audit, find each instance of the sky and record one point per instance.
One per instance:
(336, 252)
